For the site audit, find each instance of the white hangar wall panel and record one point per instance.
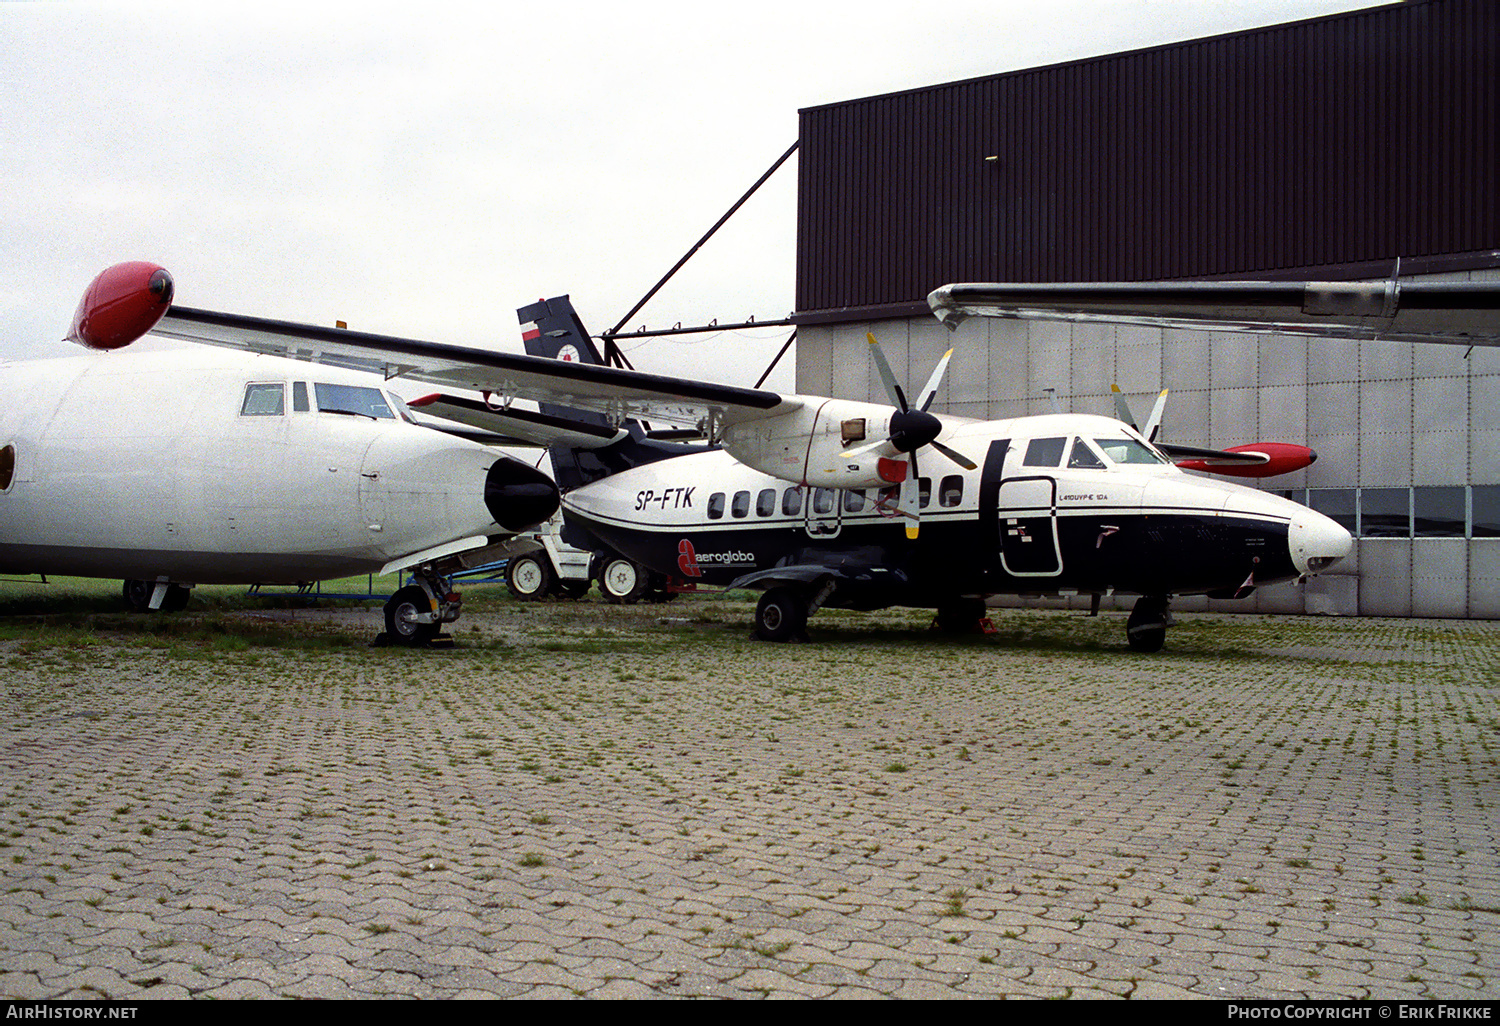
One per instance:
(1404, 434)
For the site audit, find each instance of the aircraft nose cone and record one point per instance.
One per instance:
(518, 496)
(1317, 542)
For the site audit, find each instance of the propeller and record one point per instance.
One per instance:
(912, 427)
(1153, 423)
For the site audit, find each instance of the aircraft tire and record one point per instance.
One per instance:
(529, 577)
(622, 581)
(781, 615)
(1146, 630)
(137, 595)
(407, 600)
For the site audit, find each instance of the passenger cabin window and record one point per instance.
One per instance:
(741, 505)
(765, 502)
(355, 399)
(299, 397)
(1044, 452)
(264, 400)
(951, 491)
(924, 492)
(791, 502)
(7, 467)
(1083, 457)
(822, 500)
(854, 502)
(716, 506)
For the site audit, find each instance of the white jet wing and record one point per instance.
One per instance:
(1462, 313)
(501, 377)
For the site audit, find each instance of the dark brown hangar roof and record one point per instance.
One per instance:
(1322, 148)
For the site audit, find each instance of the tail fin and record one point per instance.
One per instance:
(551, 328)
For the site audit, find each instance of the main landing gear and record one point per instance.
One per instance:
(138, 596)
(415, 615)
(1146, 630)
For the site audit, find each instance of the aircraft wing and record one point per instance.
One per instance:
(1463, 313)
(503, 377)
(513, 426)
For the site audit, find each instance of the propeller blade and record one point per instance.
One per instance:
(1122, 408)
(1153, 423)
(956, 457)
(898, 397)
(909, 503)
(934, 381)
(860, 450)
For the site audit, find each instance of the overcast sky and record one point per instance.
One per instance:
(422, 169)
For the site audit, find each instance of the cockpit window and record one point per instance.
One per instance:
(1128, 450)
(1045, 452)
(1083, 458)
(366, 402)
(264, 400)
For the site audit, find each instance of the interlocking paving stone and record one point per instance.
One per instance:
(581, 801)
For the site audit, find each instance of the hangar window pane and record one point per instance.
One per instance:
(1385, 512)
(765, 502)
(1487, 511)
(264, 400)
(716, 506)
(791, 502)
(1044, 452)
(1438, 512)
(741, 505)
(1335, 503)
(854, 501)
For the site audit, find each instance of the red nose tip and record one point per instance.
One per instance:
(121, 305)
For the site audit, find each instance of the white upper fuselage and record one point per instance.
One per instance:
(158, 463)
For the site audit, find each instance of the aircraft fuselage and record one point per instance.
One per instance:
(1036, 516)
(197, 466)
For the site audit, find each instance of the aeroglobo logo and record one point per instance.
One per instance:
(688, 559)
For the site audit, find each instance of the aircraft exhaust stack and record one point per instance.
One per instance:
(519, 496)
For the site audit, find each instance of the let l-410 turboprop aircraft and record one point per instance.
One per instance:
(187, 466)
(819, 501)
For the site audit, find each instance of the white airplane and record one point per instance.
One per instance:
(198, 466)
(818, 501)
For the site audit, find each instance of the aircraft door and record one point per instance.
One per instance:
(1027, 519)
(822, 512)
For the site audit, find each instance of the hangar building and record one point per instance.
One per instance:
(1324, 149)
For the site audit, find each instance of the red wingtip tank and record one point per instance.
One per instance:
(1282, 458)
(120, 305)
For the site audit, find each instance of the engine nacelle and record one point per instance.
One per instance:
(120, 305)
(1281, 458)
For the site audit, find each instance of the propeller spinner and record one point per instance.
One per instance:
(911, 429)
